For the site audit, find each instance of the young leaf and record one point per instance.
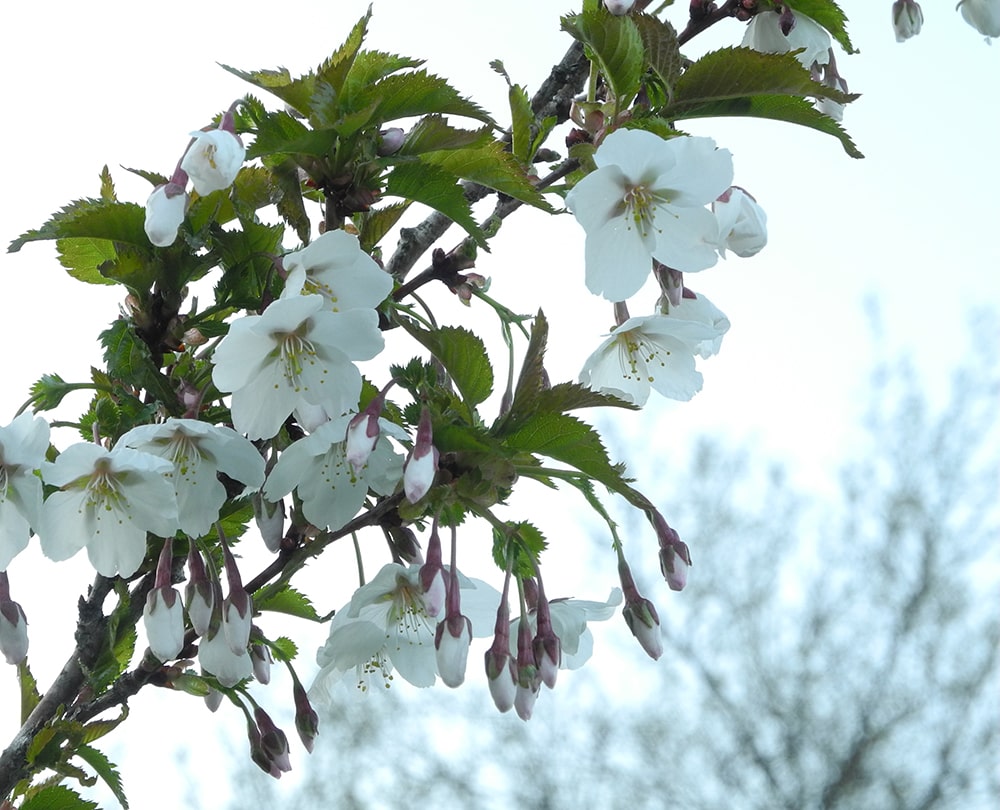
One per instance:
(565, 438)
(437, 188)
(29, 689)
(616, 45)
(531, 380)
(418, 93)
(287, 600)
(463, 356)
(57, 797)
(433, 133)
(521, 119)
(92, 219)
(491, 166)
(334, 70)
(128, 359)
(663, 54)
(105, 769)
(373, 225)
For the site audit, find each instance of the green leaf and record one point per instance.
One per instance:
(57, 797)
(570, 396)
(334, 70)
(284, 649)
(373, 225)
(525, 540)
(107, 185)
(29, 689)
(617, 47)
(663, 55)
(105, 769)
(463, 356)
(287, 600)
(530, 381)
(84, 257)
(521, 119)
(828, 14)
(294, 92)
(128, 359)
(569, 440)
(491, 166)
(437, 188)
(368, 68)
(419, 93)
(744, 82)
(282, 134)
(291, 206)
(92, 219)
(780, 108)
(433, 133)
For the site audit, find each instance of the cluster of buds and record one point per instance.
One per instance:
(211, 162)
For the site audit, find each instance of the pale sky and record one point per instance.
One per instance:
(914, 224)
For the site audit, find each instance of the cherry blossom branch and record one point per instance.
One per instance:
(91, 636)
(553, 98)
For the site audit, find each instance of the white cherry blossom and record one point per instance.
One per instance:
(296, 352)
(107, 501)
(764, 34)
(742, 223)
(335, 266)
(330, 489)
(165, 209)
(22, 449)
(646, 201)
(198, 451)
(387, 627)
(696, 307)
(569, 622)
(213, 160)
(649, 352)
(983, 15)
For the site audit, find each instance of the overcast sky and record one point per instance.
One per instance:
(912, 227)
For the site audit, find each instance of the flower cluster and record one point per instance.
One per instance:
(659, 208)
(211, 162)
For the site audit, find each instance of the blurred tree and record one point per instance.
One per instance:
(824, 655)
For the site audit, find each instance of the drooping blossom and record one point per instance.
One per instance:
(696, 307)
(386, 627)
(163, 614)
(422, 463)
(742, 223)
(983, 15)
(198, 451)
(335, 266)
(765, 34)
(107, 501)
(646, 201)
(316, 466)
(13, 625)
(907, 19)
(296, 352)
(22, 449)
(649, 352)
(165, 209)
(569, 623)
(213, 159)
(217, 657)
